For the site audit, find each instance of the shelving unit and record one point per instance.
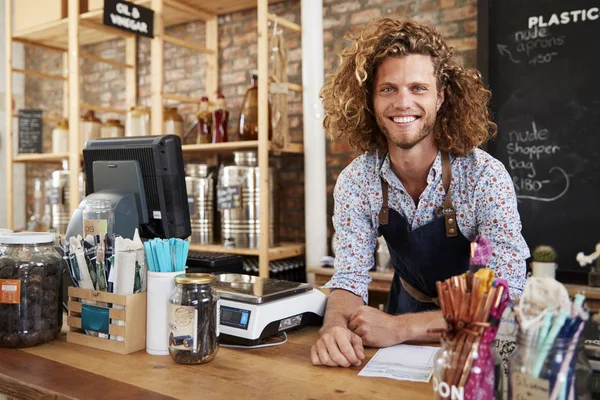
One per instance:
(67, 35)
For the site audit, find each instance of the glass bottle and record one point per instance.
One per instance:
(465, 370)
(560, 368)
(204, 127)
(248, 126)
(194, 318)
(98, 217)
(220, 117)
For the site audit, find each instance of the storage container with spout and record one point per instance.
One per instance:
(60, 137)
(137, 122)
(240, 223)
(200, 187)
(30, 295)
(89, 129)
(112, 129)
(172, 122)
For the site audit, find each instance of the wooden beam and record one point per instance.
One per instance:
(65, 65)
(40, 45)
(74, 98)
(212, 59)
(157, 68)
(294, 87)
(263, 137)
(8, 145)
(284, 22)
(45, 118)
(105, 60)
(131, 73)
(106, 29)
(38, 74)
(186, 44)
(181, 99)
(196, 12)
(95, 107)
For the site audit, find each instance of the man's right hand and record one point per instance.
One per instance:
(337, 346)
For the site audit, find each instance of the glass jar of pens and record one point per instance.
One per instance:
(194, 319)
(549, 361)
(465, 367)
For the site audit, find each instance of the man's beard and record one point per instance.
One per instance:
(425, 131)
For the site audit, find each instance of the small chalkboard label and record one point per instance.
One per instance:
(53, 196)
(229, 197)
(30, 131)
(129, 17)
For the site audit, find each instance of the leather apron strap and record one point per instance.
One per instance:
(447, 210)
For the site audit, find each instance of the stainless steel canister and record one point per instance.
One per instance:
(200, 187)
(58, 197)
(240, 227)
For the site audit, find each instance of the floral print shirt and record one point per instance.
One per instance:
(481, 191)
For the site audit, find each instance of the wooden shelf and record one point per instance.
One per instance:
(296, 148)
(35, 158)
(285, 250)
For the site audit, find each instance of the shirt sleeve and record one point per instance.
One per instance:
(355, 235)
(498, 219)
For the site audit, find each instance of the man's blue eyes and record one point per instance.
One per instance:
(415, 89)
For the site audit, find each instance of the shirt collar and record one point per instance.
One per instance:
(385, 169)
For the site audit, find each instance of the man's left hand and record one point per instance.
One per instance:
(375, 328)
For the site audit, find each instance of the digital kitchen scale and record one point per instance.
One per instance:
(254, 308)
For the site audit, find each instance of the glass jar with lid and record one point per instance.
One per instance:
(30, 289)
(112, 128)
(194, 316)
(172, 122)
(98, 217)
(137, 122)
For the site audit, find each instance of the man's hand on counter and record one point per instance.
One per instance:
(337, 346)
(376, 328)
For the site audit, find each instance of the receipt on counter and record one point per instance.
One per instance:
(403, 362)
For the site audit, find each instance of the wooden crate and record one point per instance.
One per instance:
(134, 315)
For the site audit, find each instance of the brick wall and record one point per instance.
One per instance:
(184, 74)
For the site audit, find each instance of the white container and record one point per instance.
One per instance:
(543, 269)
(112, 129)
(137, 122)
(60, 137)
(160, 286)
(89, 129)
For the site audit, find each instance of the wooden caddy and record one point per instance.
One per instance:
(134, 315)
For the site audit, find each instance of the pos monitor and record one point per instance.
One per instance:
(144, 178)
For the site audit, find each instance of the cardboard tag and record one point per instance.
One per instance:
(525, 387)
(95, 227)
(10, 291)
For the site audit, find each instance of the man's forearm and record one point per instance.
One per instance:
(340, 305)
(415, 326)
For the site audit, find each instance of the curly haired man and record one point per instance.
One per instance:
(416, 117)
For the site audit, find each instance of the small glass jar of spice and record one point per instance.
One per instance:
(194, 319)
(30, 289)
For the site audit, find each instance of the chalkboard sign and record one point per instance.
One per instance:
(30, 131)
(129, 17)
(229, 197)
(541, 67)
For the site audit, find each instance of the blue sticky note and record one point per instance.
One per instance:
(95, 318)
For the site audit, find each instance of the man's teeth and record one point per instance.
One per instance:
(404, 120)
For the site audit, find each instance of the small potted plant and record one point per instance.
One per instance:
(544, 261)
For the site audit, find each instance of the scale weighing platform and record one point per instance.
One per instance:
(254, 308)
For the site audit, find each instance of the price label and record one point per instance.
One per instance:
(525, 387)
(10, 291)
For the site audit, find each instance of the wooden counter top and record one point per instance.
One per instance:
(61, 370)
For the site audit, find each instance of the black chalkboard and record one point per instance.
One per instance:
(228, 197)
(541, 64)
(30, 131)
(129, 17)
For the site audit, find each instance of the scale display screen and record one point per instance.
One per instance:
(235, 317)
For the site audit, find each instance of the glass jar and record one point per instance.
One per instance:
(30, 289)
(112, 128)
(465, 369)
(172, 122)
(194, 319)
(98, 217)
(137, 122)
(558, 368)
(220, 118)
(89, 129)
(60, 137)
(204, 127)
(248, 125)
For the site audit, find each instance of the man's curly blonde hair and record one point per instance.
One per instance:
(463, 122)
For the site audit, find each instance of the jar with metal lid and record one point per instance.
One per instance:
(30, 289)
(60, 137)
(194, 315)
(172, 122)
(89, 129)
(137, 122)
(112, 128)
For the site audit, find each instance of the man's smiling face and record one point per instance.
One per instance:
(406, 100)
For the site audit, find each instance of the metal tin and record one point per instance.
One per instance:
(200, 186)
(240, 227)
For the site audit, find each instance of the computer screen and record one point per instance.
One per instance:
(149, 167)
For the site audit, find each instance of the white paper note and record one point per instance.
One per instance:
(402, 362)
